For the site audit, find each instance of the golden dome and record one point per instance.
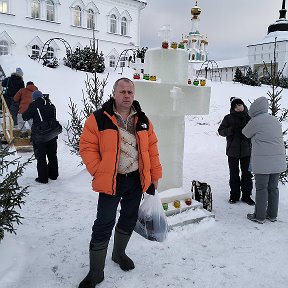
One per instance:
(196, 11)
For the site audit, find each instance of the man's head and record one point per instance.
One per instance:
(123, 94)
(237, 104)
(29, 83)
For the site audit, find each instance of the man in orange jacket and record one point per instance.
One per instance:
(24, 98)
(118, 145)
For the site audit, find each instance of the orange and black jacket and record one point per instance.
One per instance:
(100, 148)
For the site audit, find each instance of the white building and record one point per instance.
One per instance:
(264, 51)
(26, 25)
(258, 53)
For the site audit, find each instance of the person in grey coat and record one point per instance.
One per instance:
(268, 159)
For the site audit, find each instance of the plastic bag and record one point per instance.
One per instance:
(152, 223)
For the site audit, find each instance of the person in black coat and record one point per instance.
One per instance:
(238, 150)
(13, 84)
(47, 149)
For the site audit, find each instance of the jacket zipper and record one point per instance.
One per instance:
(116, 162)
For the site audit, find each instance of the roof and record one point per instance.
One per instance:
(231, 63)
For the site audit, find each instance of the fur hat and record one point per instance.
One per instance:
(19, 71)
(36, 94)
(234, 101)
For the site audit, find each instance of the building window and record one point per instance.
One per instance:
(35, 51)
(124, 26)
(77, 16)
(35, 9)
(90, 19)
(50, 10)
(50, 53)
(113, 24)
(123, 61)
(112, 61)
(4, 47)
(4, 6)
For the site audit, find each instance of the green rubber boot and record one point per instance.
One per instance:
(97, 255)
(121, 239)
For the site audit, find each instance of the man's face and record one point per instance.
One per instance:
(124, 95)
(239, 108)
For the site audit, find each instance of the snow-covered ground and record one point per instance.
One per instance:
(50, 249)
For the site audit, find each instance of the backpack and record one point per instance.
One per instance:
(201, 192)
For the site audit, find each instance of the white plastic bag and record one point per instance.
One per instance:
(152, 223)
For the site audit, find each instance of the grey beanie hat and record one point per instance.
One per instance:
(36, 94)
(19, 71)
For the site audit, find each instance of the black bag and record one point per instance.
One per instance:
(46, 130)
(201, 192)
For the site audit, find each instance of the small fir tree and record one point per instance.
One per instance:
(11, 193)
(238, 77)
(92, 102)
(274, 101)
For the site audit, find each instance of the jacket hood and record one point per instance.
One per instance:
(15, 75)
(31, 87)
(43, 101)
(259, 106)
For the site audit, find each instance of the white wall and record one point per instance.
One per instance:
(23, 29)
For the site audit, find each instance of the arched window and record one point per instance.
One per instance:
(90, 19)
(4, 47)
(112, 61)
(193, 56)
(50, 8)
(35, 9)
(50, 53)
(124, 26)
(35, 51)
(77, 16)
(113, 23)
(4, 6)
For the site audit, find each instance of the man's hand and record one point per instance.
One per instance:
(151, 189)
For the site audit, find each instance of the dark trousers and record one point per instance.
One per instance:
(44, 151)
(13, 108)
(128, 193)
(238, 184)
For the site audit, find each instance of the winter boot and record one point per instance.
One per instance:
(97, 254)
(121, 239)
(248, 200)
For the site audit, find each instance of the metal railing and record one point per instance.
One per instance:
(6, 115)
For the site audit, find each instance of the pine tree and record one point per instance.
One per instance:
(274, 101)
(11, 193)
(238, 77)
(92, 102)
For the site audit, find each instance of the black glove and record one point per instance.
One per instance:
(151, 189)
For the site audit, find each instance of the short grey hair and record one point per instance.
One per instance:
(122, 79)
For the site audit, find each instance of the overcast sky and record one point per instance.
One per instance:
(230, 25)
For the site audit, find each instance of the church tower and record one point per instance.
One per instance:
(195, 41)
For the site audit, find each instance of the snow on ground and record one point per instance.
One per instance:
(51, 247)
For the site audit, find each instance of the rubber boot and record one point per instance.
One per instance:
(97, 255)
(121, 239)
